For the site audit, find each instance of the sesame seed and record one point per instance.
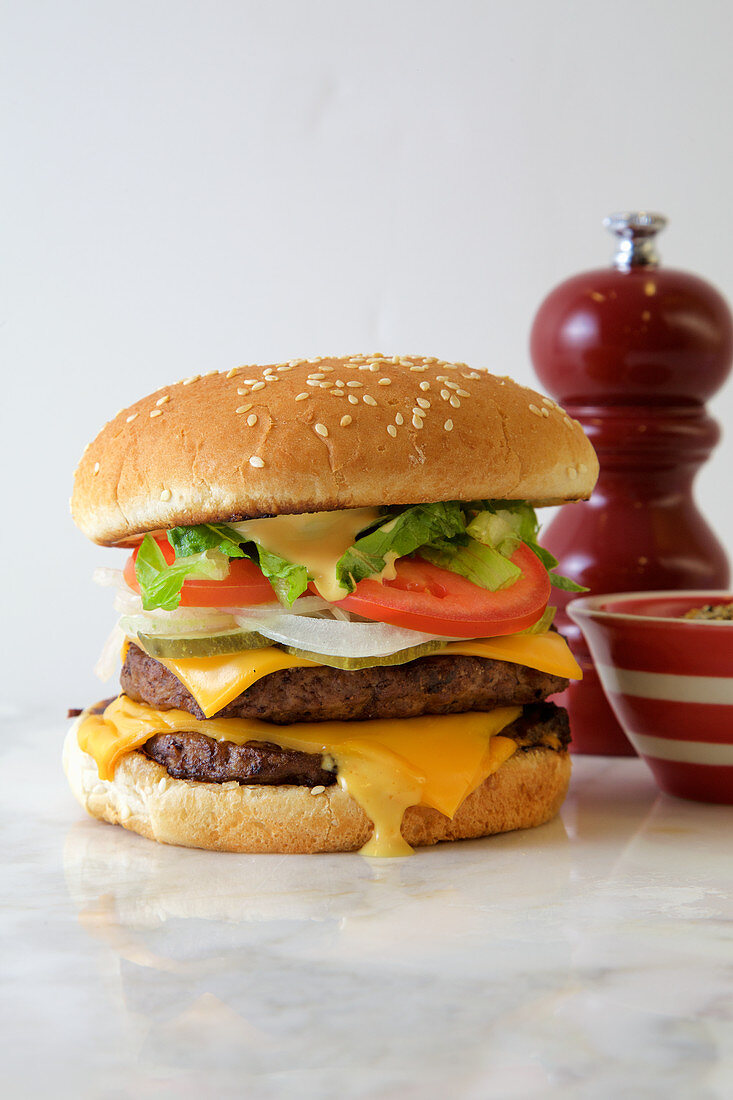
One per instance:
(163, 400)
(188, 381)
(243, 391)
(442, 377)
(418, 368)
(423, 402)
(445, 394)
(546, 401)
(545, 412)
(354, 383)
(535, 410)
(156, 412)
(424, 385)
(345, 421)
(321, 430)
(329, 369)
(318, 790)
(252, 420)
(268, 370)
(340, 382)
(452, 385)
(96, 467)
(249, 381)
(327, 384)
(399, 419)
(566, 420)
(384, 382)
(131, 417)
(312, 382)
(448, 425)
(353, 400)
(337, 393)
(301, 396)
(166, 494)
(258, 386)
(392, 430)
(319, 376)
(572, 473)
(232, 372)
(368, 399)
(417, 421)
(455, 403)
(256, 461)
(285, 367)
(472, 374)
(463, 393)
(244, 408)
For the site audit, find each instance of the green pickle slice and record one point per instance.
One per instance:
(351, 664)
(213, 645)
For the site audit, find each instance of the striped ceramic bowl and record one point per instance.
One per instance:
(670, 683)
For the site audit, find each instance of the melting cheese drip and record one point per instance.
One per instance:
(385, 765)
(316, 540)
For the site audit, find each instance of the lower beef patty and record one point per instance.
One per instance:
(430, 685)
(196, 756)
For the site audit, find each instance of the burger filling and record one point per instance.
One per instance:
(341, 648)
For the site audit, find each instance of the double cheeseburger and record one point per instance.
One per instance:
(334, 628)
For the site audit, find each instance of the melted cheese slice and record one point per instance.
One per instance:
(316, 540)
(385, 765)
(216, 681)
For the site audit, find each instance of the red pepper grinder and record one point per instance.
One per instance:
(633, 352)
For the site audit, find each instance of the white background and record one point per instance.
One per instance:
(192, 185)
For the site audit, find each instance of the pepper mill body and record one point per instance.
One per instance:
(633, 352)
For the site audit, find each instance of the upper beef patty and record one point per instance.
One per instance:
(429, 685)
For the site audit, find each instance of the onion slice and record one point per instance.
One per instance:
(339, 639)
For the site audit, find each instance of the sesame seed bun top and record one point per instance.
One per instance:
(320, 434)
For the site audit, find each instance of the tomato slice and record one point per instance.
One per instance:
(245, 584)
(425, 597)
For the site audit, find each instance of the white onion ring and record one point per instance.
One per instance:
(332, 637)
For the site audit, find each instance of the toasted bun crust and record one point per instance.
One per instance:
(369, 431)
(527, 790)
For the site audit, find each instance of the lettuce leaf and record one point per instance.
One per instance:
(401, 534)
(209, 546)
(287, 578)
(160, 583)
(187, 541)
(481, 564)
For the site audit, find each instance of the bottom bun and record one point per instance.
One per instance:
(527, 790)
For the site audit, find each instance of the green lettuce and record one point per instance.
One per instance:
(401, 534)
(160, 583)
(204, 551)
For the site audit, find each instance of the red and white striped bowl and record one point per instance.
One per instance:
(670, 683)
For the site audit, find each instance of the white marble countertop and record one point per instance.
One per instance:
(590, 958)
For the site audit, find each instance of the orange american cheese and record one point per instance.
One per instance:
(215, 681)
(386, 765)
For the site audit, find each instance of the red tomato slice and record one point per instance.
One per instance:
(244, 585)
(425, 597)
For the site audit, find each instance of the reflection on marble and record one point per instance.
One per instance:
(590, 958)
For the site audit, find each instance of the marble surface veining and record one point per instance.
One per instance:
(592, 957)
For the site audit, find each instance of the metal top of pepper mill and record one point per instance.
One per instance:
(636, 231)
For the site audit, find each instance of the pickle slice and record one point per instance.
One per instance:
(213, 645)
(352, 664)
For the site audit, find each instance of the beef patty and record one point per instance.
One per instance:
(429, 685)
(196, 756)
